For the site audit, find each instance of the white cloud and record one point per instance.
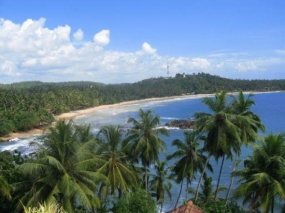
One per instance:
(29, 62)
(62, 33)
(281, 52)
(9, 68)
(220, 65)
(102, 38)
(78, 35)
(201, 63)
(147, 48)
(31, 51)
(246, 66)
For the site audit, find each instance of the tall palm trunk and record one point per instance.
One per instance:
(187, 186)
(272, 205)
(232, 180)
(189, 182)
(161, 207)
(218, 183)
(200, 179)
(145, 178)
(181, 185)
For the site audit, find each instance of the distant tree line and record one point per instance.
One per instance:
(27, 105)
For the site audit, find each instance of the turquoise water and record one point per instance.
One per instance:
(269, 106)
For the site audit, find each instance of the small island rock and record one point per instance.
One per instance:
(181, 124)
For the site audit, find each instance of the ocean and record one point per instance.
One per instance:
(269, 106)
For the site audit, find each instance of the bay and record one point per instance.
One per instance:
(269, 106)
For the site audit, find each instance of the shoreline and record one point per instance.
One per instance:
(73, 114)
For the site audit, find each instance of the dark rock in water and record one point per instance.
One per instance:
(182, 124)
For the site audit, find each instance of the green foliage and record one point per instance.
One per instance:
(145, 139)
(191, 159)
(44, 116)
(220, 206)
(6, 165)
(216, 207)
(219, 126)
(116, 167)
(64, 171)
(6, 127)
(139, 202)
(9, 177)
(44, 208)
(262, 180)
(235, 208)
(25, 120)
(56, 98)
(160, 184)
(206, 196)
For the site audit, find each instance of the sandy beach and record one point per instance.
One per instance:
(74, 114)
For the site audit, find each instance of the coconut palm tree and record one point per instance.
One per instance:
(145, 138)
(83, 133)
(6, 164)
(248, 123)
(160, 183)
(62, 171)
(206, 195)
(263, 176)
(191, 158)
(5, 188)
(116, 166)
(44, 208)
(223, 135)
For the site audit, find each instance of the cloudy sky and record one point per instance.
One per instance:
(125, 41)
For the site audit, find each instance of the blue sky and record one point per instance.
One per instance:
(127, 41)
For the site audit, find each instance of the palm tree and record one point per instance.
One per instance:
(62, 171)
(160, 183)
(206, 195)
(5, 188)
(146, 143)
(6, 171)
(248, 123)
(44, 208)
(83, 133)
(223, 136)
(116, 167)
(191, 159)
(263, 177)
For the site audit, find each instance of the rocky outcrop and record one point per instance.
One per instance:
(181, 124)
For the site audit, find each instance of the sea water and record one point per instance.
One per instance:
(269, 106)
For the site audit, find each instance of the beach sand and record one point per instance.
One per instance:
(74, 114)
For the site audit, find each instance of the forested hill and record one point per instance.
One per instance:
(26, 105)
(181, 83)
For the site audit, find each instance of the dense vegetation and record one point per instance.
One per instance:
(110, 171)
(27, 105)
